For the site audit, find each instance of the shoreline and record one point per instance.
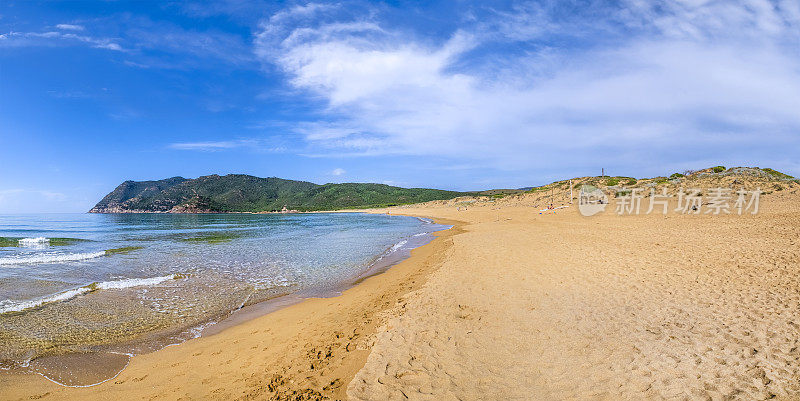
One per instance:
(109, 360)
(21, 384)
(513, 303)
(375, 268)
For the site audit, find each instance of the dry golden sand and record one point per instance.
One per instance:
(550, 307)
(517, 305)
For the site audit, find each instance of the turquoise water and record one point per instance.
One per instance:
(84, 282)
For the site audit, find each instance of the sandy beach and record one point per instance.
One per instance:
(522, 200)
(516, 304)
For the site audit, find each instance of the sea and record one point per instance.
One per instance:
(75, 287)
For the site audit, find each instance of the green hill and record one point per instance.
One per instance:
(245, 193)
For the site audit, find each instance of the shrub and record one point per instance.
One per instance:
(631, 181)
(718, 169)
(676, 176)
(777, 174)
(612, 181)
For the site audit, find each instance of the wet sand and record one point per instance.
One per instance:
(514, 304)
(308, 349)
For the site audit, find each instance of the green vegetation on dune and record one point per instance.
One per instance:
(245, 193)
(621, 184)
(777, 174)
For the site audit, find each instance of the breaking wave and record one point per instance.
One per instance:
(8, 306)
(34, 241)
(49, 258)
(397, 246)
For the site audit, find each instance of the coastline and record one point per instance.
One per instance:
(286, 318)
(516, 302)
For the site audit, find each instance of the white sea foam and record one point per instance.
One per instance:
(12, 306)
(397, 246)
(38, 241)
(132, 282)
(49, 258)
(393, 249)
(63, 296)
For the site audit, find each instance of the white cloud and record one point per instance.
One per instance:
(338, 172)
(209, 146)
(300, 11)
(70, 27)
(144, 34)
(704, 20)
(19, 39)
(271, 146)
(715, 80)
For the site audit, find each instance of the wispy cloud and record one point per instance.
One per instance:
(151, 39)
(271, 146)
(146, 42)
(338, 171)
(680, 81)
(78, 94)
(54, 38)
(70, 27)
(210, 146)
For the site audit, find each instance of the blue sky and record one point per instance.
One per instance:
(454, 95)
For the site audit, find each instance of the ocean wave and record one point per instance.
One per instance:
(393, 249)
(38, 241)
(11, 306)
(397, 246)
(8, 306)
(133, 282)
(49, 258)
